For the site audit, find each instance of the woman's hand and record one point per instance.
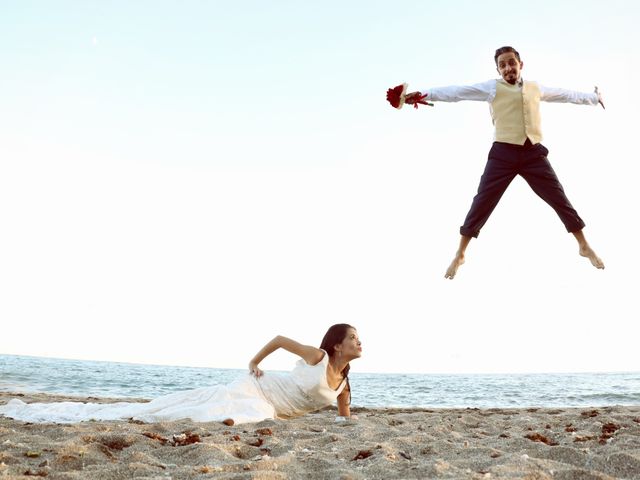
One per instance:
(254, 370)
(347, 418)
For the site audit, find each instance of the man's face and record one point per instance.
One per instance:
(509, 67)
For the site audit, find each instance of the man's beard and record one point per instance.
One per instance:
(512, 80)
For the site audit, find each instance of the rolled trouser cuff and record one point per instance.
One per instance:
(467, 232)
(575, 228)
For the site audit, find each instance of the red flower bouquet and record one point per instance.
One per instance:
(396, 96)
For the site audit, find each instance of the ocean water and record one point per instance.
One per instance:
(102, 379)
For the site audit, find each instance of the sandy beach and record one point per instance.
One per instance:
(535, 443)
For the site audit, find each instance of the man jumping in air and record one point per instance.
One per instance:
(515, 110)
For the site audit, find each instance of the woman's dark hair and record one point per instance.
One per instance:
(335, 335)
(502, 50)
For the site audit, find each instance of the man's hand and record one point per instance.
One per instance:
(599, 97)
(416, 98)
(412, 97)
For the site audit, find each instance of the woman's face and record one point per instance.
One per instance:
(351, 346)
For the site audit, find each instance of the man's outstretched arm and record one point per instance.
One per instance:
(479, 92)
(561, 95)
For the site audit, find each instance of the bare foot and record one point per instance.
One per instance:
(453, 268)
(587, 251)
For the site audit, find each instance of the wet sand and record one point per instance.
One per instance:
(536, 443)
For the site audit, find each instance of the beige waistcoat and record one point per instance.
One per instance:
(516, 113)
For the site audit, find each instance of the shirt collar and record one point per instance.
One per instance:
(519, 83)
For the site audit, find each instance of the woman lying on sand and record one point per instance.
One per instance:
(317, 380)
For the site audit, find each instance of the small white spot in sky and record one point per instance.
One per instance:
(94, 41)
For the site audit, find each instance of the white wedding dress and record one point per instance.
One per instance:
(248, 399)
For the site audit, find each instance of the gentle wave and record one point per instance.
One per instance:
(111, 379)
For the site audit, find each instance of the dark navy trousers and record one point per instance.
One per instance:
(504, 163)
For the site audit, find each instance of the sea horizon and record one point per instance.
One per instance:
(435, 373)
(23, 373)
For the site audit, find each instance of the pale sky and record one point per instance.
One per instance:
(182, 181)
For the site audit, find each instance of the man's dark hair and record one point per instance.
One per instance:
(502, 50)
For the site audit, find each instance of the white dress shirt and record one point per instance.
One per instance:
(486, 92)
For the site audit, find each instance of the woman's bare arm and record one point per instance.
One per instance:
(344, 409)
(309, 354)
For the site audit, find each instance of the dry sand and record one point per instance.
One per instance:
(537, 443)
